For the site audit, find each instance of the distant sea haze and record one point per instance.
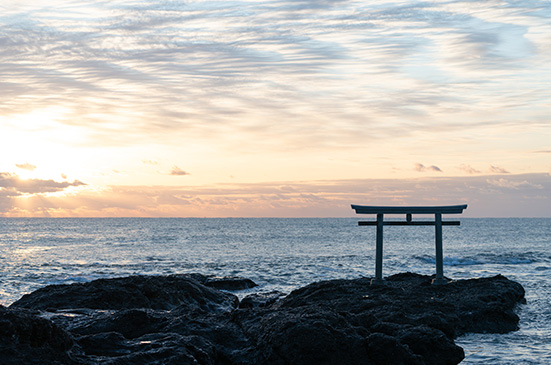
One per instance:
(283, 254)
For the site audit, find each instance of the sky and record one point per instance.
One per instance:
(130, 108)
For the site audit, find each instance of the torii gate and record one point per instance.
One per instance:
(380, 211)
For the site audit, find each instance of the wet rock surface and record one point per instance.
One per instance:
(229, 283)
(27, 338)
(179, 319)
(258, 300)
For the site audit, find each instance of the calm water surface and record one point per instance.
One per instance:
(283, 254)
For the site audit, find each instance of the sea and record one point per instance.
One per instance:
(285, 254)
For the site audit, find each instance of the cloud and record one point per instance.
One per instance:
(422, 168)
(26, 166)
(12, 185)
(498, 170)
(176, 171)
(149, 162)
(527, 195)
(512, 184)
(469, 169)
(202, 68)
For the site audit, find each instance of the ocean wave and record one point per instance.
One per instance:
(514, 261)
(482, 260)
(70, 279)
(510, 258)
(450, 261)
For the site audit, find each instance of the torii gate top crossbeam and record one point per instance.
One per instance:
(443, 209)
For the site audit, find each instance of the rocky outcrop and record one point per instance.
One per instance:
(178, 319)
(153, 292)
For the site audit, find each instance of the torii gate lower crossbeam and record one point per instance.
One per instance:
(380, 211)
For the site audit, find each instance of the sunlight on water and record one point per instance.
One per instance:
(283, 254)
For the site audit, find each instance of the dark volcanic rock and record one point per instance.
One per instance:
(307, 335)
(154, 292)
(475, 305)
(229, 283)
(221, 282)
(26, 338)
(257, 300)
(179, 320)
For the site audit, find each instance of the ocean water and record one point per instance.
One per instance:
(284, 254)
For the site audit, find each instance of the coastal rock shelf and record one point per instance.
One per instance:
(192, 319)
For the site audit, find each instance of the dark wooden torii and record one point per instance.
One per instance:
(380, 211)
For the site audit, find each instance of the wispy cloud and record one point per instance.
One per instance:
(26, 166)
(150, 162)
(498, 170)
(469, 169)
(199, 67)
(419, 167)
(176, 171)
